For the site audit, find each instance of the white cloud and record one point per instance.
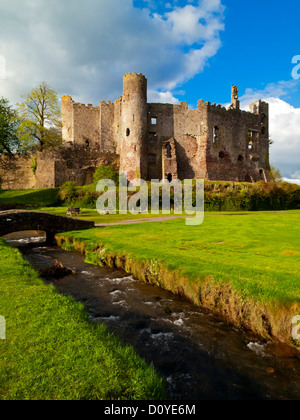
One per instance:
(191, 24)
(284, 125)
(167, 97)
(84, 47)
(292, 181)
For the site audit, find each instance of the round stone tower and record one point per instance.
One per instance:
(133, 158)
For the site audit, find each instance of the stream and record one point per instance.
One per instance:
(200, 355)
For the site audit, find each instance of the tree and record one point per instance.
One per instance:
(40, 126)
(275, 174)
(9, 122)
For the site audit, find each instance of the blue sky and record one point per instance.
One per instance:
(258, 43)
(188, 49)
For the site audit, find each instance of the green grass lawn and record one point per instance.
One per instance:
(31, 198)
(52, 351)
(258, 254)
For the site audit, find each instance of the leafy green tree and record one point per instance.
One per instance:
(40, 126)
(9, 122)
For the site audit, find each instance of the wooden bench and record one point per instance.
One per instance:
(73, 211)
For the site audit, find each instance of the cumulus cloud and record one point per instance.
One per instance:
(155, 96)
(284, 126)
(292, 181)
(84, 47)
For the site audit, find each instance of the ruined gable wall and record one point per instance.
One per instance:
(86, 125)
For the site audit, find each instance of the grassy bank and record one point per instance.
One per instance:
(52, 351)
(245, 267)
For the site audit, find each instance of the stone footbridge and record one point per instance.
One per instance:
(23, 220)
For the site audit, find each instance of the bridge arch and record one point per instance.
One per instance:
(23, 220)
(26, 236)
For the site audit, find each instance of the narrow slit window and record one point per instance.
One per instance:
(215, 134)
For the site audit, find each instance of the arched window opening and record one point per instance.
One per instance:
(262, 174)
(169, 177)
(127, 132)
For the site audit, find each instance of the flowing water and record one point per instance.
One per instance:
(200, 356)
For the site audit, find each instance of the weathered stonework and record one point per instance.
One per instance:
(209, 142)
(54, 168)
(22, 220)
(150, 141)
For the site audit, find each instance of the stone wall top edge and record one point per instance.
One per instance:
(134, 74)
(86, 106)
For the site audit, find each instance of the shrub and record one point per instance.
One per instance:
(68, 191)
(106, 172)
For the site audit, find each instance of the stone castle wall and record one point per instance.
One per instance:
(211, 142)
(151, 141)
(54, 168)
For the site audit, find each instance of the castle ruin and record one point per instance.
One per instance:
(164, 141)
(150, 141)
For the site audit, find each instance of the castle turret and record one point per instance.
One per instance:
(134, 127)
